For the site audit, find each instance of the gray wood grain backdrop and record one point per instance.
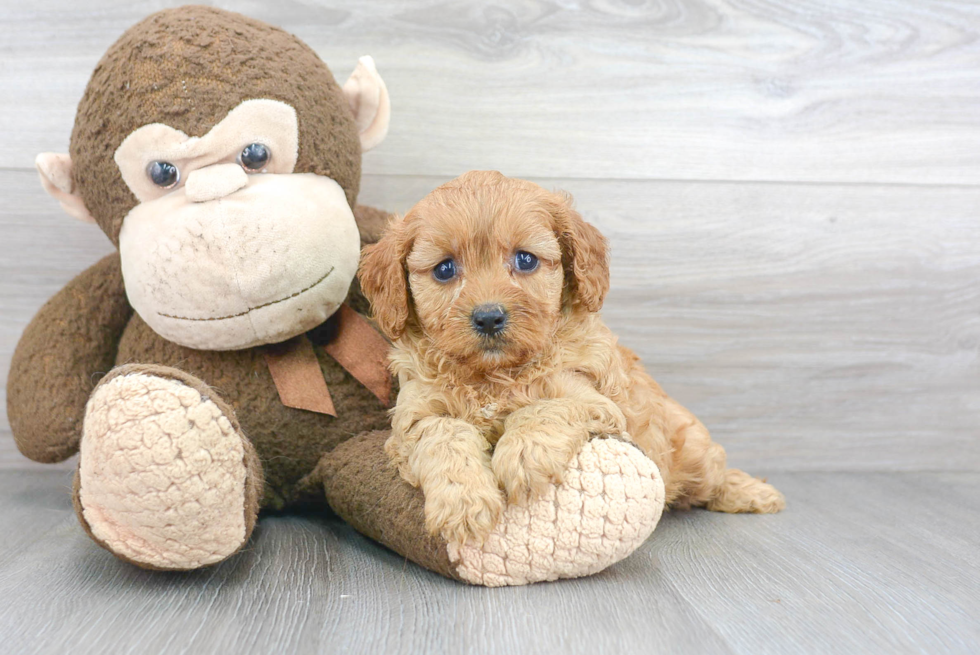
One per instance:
(790, 189)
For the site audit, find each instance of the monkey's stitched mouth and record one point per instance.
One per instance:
(252, 309)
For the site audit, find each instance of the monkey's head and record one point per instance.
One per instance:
(221, 157)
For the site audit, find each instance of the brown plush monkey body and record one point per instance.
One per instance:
(221, 157)
(289, 442)
(183, 87)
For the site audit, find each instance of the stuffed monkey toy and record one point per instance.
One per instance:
(220, 362)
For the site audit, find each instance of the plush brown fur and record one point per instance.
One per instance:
(384, 508)
(72, 337)
(476, 414)
(188, 67)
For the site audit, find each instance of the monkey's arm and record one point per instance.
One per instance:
(71, 339)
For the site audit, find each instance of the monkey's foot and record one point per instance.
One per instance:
(610, 501)
(165, 479)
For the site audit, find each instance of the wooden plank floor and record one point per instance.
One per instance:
(858, 563)
(792, 195)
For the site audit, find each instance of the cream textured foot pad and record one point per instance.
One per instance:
(609, 503)
(162, 473)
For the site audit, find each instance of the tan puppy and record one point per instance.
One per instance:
(490, 288)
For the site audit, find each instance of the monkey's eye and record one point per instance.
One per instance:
(444, 270)
(163, 174)
(255, 156)
(525, 262)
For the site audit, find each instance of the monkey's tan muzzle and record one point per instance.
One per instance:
(263, 262)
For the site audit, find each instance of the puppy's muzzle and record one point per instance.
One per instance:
(489, 320)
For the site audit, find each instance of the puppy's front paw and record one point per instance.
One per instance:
(606, 419)
(460, 511)
(531, 462)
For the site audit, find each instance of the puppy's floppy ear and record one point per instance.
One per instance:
(585, 256)
(384, 279)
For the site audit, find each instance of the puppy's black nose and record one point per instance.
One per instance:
(489, 319)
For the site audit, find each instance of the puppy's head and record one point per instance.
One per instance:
(485, 266)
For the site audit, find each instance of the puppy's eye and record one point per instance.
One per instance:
(444, 270)
(254, 157)
(525, 262)
(163, 174)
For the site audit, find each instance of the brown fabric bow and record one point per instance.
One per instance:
(357, 347)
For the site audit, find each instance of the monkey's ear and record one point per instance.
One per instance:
(367, 96)
(56, 178)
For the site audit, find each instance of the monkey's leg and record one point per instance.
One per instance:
(166, 479)
(609, 503)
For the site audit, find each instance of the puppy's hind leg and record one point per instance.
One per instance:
(704, 479)
(739, 492)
